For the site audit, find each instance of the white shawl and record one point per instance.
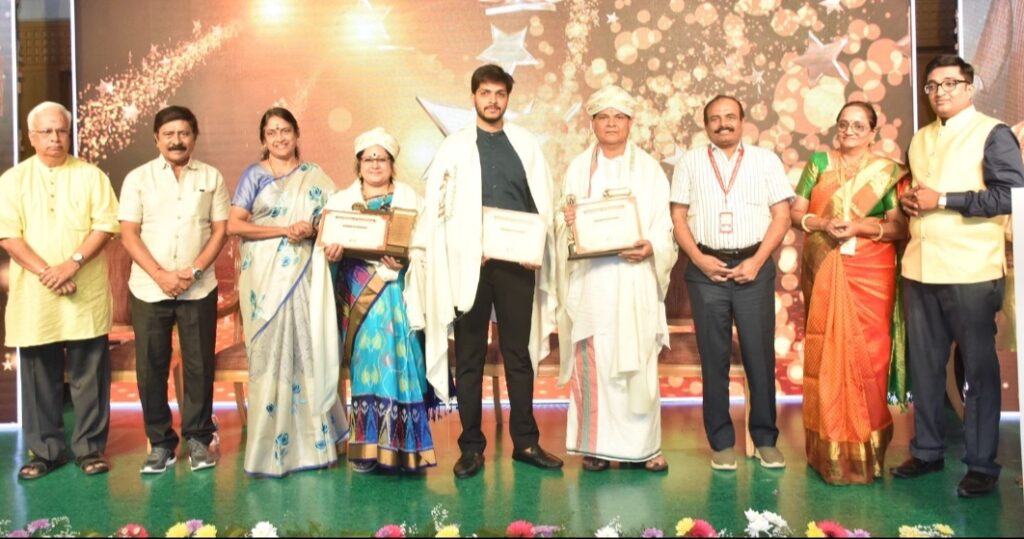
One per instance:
(451, 229)
(323, 314)
(640, 321)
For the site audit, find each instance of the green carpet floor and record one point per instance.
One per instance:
(338, 500)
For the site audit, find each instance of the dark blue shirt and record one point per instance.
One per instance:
(1002, 170)
(504, 178)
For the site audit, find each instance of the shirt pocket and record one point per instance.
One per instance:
(196, 205)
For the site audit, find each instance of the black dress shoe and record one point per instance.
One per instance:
(976, 484)
(535, 456)
(914, 467)
(468, 465)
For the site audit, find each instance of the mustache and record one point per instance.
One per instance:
(177, 147)
(721, 130)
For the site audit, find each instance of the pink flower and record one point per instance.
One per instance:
(390, 531)
(832, 529)
(36, 525)
(132, 530)
(193, 526)
(519, 528)
(545, 531)
(701, 528)
(18, 533)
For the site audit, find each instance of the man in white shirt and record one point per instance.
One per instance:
(173, 214)
(730, 208)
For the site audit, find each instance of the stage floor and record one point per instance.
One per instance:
(338, 500)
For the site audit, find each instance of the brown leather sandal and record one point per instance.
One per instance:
(38, 467)
(93, 464)
(657, 464)
(594, 464)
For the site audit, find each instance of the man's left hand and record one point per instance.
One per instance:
(746, 271)
(927, 198)
(55, 277)
(641, 251)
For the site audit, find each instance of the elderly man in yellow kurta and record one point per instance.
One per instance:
(56, 214)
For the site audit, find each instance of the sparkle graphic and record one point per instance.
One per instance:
(757, 79)
(612, 18)
(109, 112)
(508, 50)
(8, 363)
(831, 6)
(505, 7)
(820, 58)
(367, 28)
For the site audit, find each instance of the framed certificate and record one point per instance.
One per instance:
(605, 227)
(369, 234)
(514, 236)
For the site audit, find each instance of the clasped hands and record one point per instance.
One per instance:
(174, 283)
(58, 278)
(919, 199)
(716, 270)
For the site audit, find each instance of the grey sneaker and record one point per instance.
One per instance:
(770, 457)
(724, 459)
(200, 456)
(158, 461)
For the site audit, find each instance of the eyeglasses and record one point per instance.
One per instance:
(62, 133)
(374, 161)
(857, 127)
(947, 86)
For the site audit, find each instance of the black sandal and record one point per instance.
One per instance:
(594, 464)
(654, 466)
(93, 464)
(38, 467)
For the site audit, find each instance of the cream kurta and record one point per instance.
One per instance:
(610, 354)
(451, 230)
(54, 210)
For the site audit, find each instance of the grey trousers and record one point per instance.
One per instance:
(42, 396)
(751, 306)
(937, 315)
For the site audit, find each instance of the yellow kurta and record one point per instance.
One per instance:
(54, 210)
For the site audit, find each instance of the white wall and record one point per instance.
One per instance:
(35, 10)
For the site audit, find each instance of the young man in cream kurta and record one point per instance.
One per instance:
(497, 165)
(613, 323)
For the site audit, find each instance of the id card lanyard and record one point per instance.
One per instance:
(726, 218)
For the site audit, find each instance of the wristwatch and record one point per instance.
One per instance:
(78, 258)
(197, 273)
(942, 202)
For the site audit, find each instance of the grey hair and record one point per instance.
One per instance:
(45, 106)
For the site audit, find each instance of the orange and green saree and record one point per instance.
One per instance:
(852, 334)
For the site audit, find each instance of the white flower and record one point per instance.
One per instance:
(757, 523)
(776, 520)
(606, 531)
(263, 529)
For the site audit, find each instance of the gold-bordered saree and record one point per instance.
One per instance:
(855, 332)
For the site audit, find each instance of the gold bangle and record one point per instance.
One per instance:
(803, 222)
(881, 233)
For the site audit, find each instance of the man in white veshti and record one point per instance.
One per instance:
(612, 309)
(490, 164)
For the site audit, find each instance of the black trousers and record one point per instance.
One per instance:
(751, 306)
(197, 335)
(937, 315)
(508, 288)
(42, 396)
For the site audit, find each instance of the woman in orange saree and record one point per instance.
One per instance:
(847, 205)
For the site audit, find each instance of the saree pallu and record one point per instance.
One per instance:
(285, 432)
(391, 399)
(849, 344)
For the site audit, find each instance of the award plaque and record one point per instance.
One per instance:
(369, 234)
(604, 227)
(514, 236)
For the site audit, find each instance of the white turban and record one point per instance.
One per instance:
(611, 97)
(377, 137)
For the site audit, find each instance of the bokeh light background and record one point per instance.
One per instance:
(347, 66)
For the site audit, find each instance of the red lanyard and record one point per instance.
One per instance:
(718, 173)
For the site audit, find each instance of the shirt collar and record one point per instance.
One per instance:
(720, 152)
(191, 165)
(960, 120)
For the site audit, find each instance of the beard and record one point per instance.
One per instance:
(483, 115)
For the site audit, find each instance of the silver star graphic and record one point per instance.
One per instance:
(450, 119)
(197, 26)
(504, 7)
(757, 79)
(106, 87)
(821, 58)
(612, 18)
(130, 113)
(831, 6)
(508, 50)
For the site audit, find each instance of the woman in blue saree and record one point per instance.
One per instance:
(391, 399)
(295, 420)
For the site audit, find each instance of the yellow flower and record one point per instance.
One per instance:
(450, 530)
(208, 530)
(178, 530)
(683, 527)
(945, 530)
(813, 530)
(910, 531)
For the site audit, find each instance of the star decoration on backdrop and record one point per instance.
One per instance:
(370, 21)
(450, 119)
(831, 6)
(8, 362)
(612, 18)
(820, 58)
(505, 7)
(106, 87)
(508, 50)
(130, 112)
(757, 79)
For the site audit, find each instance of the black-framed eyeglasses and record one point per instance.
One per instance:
(947, 86)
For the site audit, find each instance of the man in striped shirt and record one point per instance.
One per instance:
(730, 208)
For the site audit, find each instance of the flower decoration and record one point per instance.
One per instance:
(131, 530)
(519, 528)
(263, 529)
